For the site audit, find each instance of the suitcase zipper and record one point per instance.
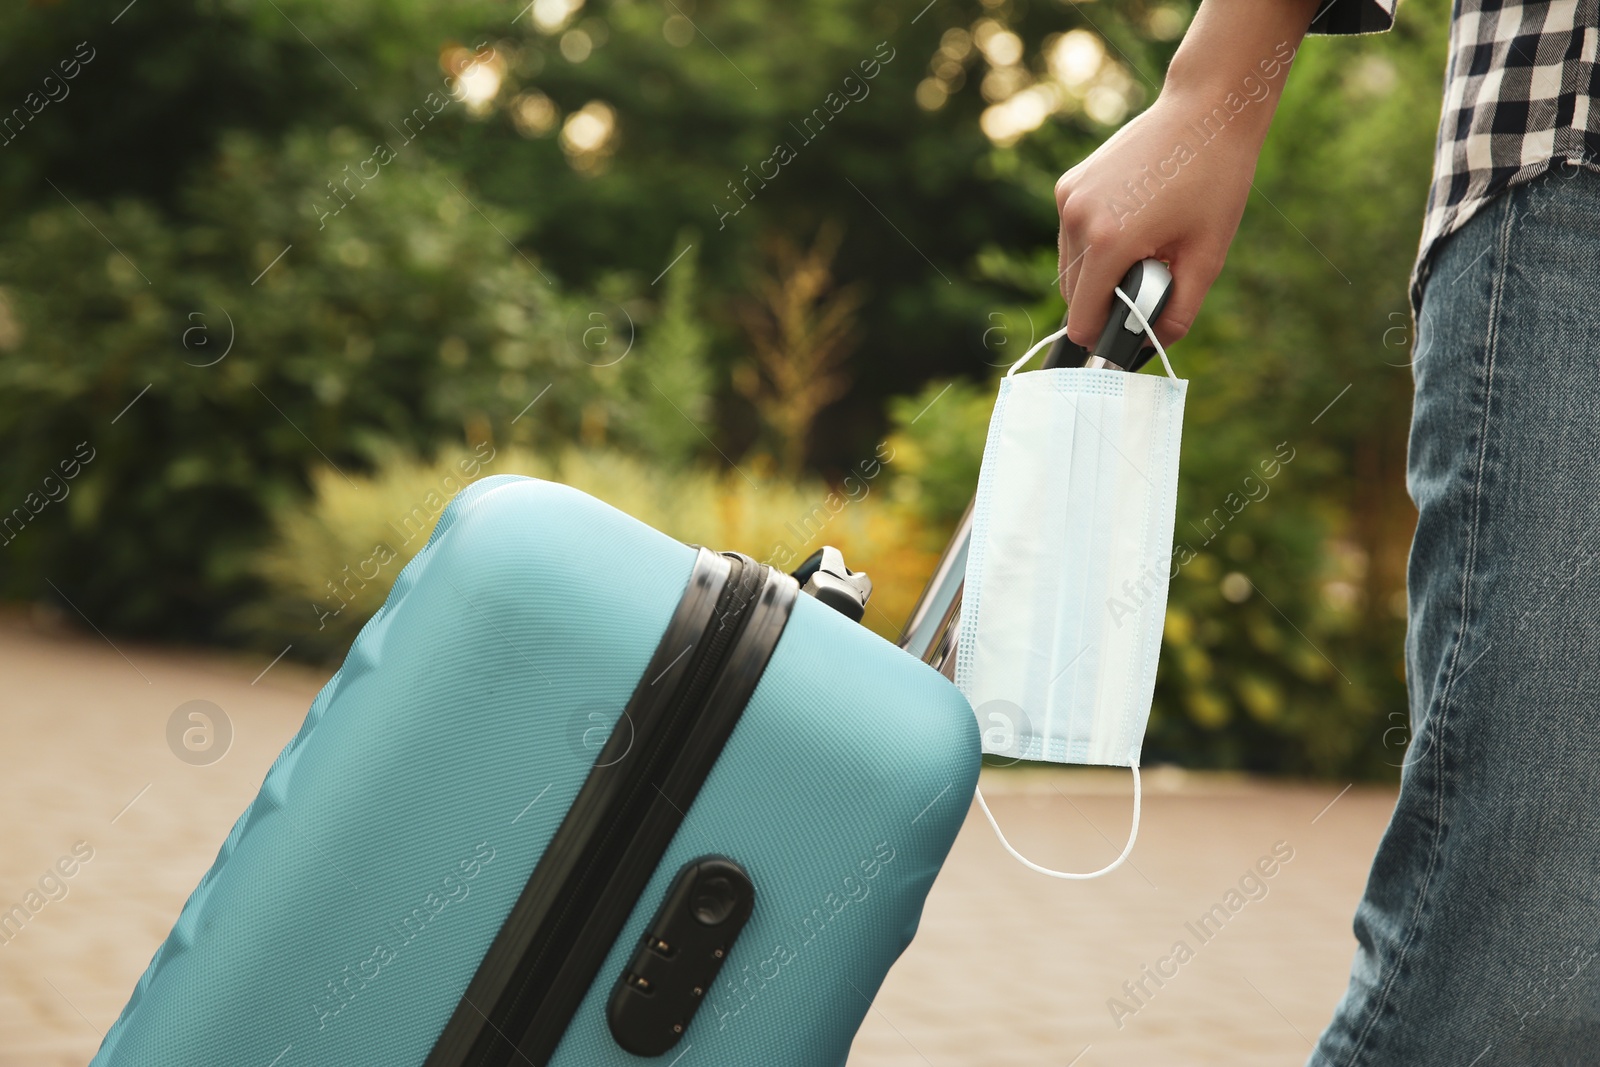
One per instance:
(550, 948)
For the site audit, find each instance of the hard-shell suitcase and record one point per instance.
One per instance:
(580, 795)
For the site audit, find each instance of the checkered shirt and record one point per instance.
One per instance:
(1519, 98)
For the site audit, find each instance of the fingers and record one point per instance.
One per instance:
(1072, 255)
(1069, 249)
(1091, 261)
(1074, 239)
(1192, 276)
(1096, 250)
(1095, 276)
(1089, 305)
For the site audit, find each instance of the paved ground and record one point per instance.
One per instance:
(1009, 969)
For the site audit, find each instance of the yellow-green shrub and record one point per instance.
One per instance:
(333, 560)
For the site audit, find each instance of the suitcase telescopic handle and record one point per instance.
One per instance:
(826, 576)
(1122, 344)
(935, 623)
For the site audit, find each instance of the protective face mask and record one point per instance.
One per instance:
(1066, 585)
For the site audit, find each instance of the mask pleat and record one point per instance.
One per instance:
(1067, 575)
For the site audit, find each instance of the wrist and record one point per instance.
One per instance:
(1244, 97)
(1236, 57)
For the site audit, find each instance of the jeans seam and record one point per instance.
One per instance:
(1415, 922)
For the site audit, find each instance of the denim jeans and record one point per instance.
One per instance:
(1479, 930)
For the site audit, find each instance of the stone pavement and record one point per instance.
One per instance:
(1009, 968)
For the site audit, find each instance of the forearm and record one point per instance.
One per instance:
(1239, 48)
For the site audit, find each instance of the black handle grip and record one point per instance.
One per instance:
(1148, 283)
(1064, 352)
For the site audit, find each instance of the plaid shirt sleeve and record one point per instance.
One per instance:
(1353, 16)
(1519, 99)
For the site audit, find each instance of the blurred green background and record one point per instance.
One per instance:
(276, 278)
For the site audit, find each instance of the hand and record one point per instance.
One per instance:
(1172, 183)
(1118, 208)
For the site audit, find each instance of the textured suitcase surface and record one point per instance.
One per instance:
(351, 904)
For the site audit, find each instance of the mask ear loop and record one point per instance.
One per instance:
(1138, 789)
(1148, 331)
(1138, 317)
(1133, 835)
(1048, 339)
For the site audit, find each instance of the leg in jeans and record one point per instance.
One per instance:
(1479, 931)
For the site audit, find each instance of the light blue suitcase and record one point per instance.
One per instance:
(580, 795)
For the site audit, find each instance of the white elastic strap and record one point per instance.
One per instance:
(1137, 314)
(1049, 339)
(1133, 834)
(1148, 331)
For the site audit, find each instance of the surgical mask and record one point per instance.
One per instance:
(1066, 584)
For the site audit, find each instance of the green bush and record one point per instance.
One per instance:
(938, 437)
(212, 363)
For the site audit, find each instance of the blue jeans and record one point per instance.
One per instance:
(1479, 931)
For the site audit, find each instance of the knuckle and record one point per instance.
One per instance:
(1074, 221)
(1102, 238)
(1099, 230)
(1063, 190)
(1076, 216)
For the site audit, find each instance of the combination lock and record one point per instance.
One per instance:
(680, 955)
